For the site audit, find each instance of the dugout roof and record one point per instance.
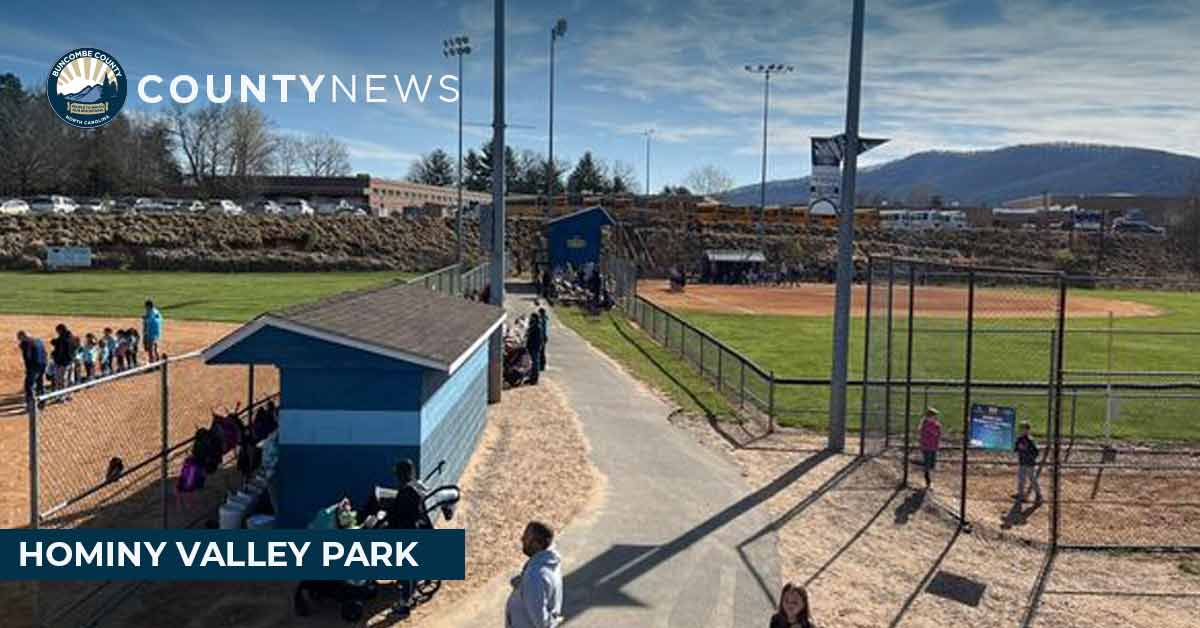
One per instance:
(405, 322)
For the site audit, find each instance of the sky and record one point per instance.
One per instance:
(938, 74)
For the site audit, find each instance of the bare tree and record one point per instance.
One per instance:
(325, 156)
(288, 155)
(251, 145)
(708, 179)
(202, 136)
(624, 178)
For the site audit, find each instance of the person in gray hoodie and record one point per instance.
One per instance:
(536, 598)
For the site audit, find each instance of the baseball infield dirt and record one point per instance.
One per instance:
(816, 299)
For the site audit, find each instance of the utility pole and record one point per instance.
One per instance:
(648, 133)
(559, 30)
(845, 255)
(458, 47)
(766, 71)
(496, 291)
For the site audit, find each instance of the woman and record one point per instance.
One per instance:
(793, 609)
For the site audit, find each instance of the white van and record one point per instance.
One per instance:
(297, 207)
(53, 204)
(225, 207)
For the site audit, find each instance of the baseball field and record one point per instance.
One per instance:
(788, 330)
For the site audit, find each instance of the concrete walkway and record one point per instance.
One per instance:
(671, 544)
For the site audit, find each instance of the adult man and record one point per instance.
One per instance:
(63, 354)
(407, 512)
(544, 319)
(536, 598)
(535, 343)
(152, 322)
(33, 354)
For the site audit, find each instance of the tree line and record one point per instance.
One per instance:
(525, 172)
(222, 149)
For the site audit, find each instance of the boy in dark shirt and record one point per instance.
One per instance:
(1027, 454)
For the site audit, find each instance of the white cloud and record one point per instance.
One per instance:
(1044, 71)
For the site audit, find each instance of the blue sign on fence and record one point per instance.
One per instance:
(993, 427)
(232, 555)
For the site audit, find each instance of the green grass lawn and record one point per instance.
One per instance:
(233, 297)
(800, 347)
(648, 361)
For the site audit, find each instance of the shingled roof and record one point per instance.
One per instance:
(404, 321)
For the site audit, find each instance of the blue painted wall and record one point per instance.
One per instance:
(453, 419)
(347, 416)
(576, 240)
(311, 477)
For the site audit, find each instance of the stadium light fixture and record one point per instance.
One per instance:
(459, 47)
(766, 71)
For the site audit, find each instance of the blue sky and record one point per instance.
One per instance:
(945, 74)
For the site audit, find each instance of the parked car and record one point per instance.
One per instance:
(1125, 225)
(194, 206)
(224, 207)
(53, 204)
(297, 207)
(94, 206)
(266, 207)
(149, 205)
(14, 206)
(335, 207)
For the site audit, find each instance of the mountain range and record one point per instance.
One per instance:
(991, 177)
(88, 94)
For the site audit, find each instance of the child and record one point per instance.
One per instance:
(121, 350)
(1027, 454)
(108, 351)
(931, 438)
(793, 611)
(132, 337)
(87, 354)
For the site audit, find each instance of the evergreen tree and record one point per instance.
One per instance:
(476, 177)
(433, 168)
(588, 176)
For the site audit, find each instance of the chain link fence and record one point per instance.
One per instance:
(964, 340)
(107, 454)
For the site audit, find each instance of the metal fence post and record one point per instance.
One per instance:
(742, 385)
(701, 355)
(35, 519)
(866, 374)
(683, 329)
(250, 387)
(771, 403)
(1056, 512)
(720, 369)
(912, 293)
(165, 391)
(887, 384)
(966, 438)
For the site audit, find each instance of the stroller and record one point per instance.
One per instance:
(352, 595)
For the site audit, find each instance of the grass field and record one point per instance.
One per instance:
(231, 297)
(1008, 349)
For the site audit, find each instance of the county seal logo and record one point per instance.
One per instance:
(86, 88)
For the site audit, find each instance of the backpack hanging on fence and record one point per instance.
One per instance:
(191, 476)
(115, 468)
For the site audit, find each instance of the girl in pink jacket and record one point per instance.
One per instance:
(931, 438)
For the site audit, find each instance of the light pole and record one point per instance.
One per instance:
(766, 71)
(845, 239)
(648, 133)
(458, 47)
(496, 280)
(559, 30)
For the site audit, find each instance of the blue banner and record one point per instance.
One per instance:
(232, 555)
(993, 427)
